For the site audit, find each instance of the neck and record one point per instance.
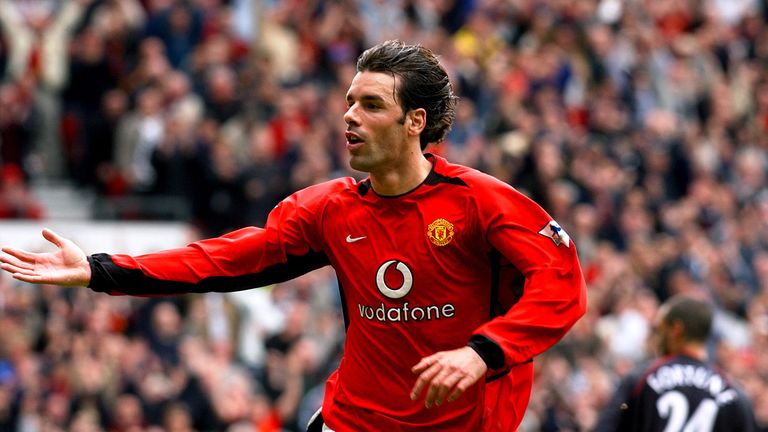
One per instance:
(694, 350)
(402, 178)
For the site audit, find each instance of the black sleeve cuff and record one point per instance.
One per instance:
(108, 277)
(488, 350)
(98, 281)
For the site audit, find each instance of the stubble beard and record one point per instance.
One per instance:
(359, 162)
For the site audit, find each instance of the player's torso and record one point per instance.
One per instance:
(415, 279)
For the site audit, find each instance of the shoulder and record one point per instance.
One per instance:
(328, 189)
(467, 174)
(317, 196)
(637, 380)
(336, 185)
(493, 197)
(642, 370)
(477, 181)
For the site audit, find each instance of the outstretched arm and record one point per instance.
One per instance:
(66, 266)
(287, 247)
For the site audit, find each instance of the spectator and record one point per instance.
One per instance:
(16, 201)
(179, 27)
(90, 79)
(138, 135)
(101, 145)
(38, 34)
(18, 120)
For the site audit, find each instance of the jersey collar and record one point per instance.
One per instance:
(366, 190)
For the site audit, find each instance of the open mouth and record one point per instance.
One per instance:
(353, 139)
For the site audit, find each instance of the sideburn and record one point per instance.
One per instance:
(401, 120)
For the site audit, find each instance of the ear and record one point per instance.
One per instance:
(678, 330)
(416, 121)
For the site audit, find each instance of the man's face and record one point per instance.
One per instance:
(376, 133)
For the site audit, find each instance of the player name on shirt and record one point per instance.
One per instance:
(672, 376)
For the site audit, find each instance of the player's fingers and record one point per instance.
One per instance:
(20, 254)
(31, 278)
(13, 261)
(430, 397)
(53, 237)
(443, 388)
(424, 379)
(424, 363)
(461, 387)
(10, 268)
(437, 385)
(30, 272)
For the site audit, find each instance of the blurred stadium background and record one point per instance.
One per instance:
(133, 125)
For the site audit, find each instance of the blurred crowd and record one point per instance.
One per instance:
(640, 125)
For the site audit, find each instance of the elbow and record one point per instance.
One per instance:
(569, 306)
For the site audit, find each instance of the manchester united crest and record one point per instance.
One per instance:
(440, 232)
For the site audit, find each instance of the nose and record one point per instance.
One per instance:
(350, 116)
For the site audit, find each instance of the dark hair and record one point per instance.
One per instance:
(424, 83)
(694, 314)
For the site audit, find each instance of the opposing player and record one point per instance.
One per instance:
(680, 391)
(451, 281)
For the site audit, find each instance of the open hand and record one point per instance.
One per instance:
(66, 266)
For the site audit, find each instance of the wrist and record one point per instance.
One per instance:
(85, 267)
(488, 350)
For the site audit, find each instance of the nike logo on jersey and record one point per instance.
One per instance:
(351, 239)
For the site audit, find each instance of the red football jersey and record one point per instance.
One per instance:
(463, 254)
